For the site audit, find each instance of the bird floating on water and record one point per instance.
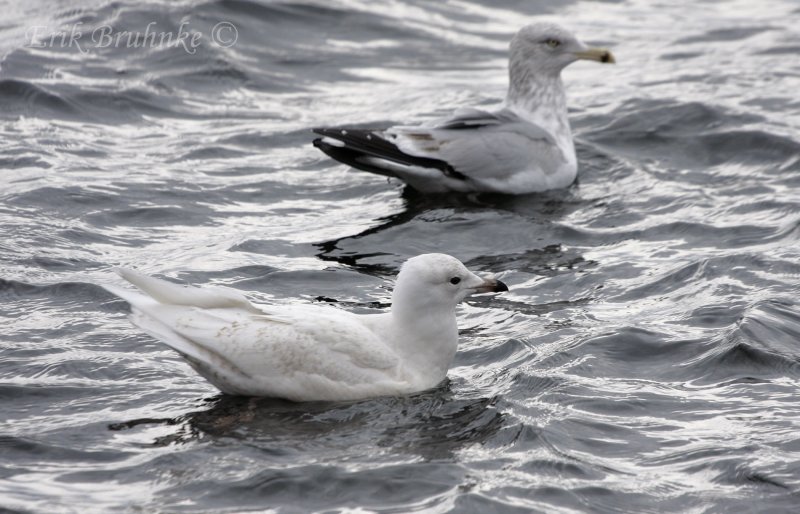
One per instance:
(309, 352)
(524, 147)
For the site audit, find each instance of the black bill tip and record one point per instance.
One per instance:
(491, 285)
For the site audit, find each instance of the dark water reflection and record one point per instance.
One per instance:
(431, 425)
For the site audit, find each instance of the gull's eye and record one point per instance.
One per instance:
(553, 43)
(455, 280)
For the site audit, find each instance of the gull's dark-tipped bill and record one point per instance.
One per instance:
(492, 286)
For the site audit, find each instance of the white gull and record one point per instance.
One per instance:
(307, 352)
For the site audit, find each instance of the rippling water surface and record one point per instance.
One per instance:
(646, 358)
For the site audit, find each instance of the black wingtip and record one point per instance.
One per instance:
(357, 144)
(349, 157)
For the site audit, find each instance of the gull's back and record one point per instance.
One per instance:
(296, 352)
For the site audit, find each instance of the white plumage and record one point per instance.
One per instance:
(307, 352)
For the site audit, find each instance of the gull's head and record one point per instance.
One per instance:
(440, 279)
(548, 47)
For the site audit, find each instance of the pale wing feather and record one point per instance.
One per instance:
(284, 352)
(255, 343)
(224, 321)
(214, 366)
(485, 146)
(175, 294)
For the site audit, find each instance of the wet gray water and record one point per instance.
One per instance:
(646, 358)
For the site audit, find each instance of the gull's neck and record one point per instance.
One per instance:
(538, 96)
(425, 333)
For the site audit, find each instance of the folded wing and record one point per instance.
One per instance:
(298, 352)
(473, 150)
